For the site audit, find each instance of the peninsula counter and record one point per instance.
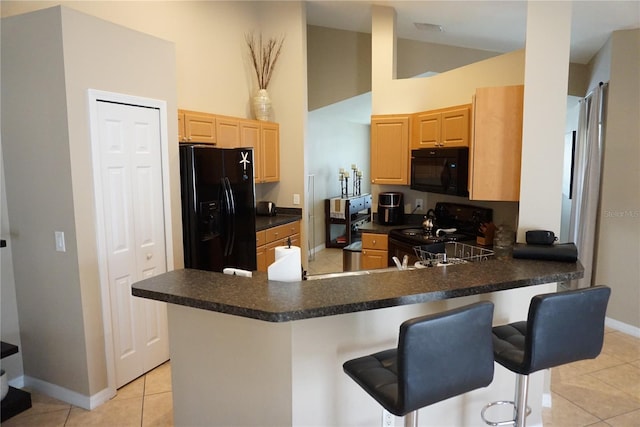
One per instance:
(249, 351)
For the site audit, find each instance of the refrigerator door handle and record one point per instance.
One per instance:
(226, 207)
(232, 217)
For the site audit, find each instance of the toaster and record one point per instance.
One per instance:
(266, 209)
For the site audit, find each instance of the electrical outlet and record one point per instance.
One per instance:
(387, 419)
(419, 204)
(296, 199)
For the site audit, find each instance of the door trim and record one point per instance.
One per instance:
(94, 96)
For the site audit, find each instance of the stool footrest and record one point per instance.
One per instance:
(500, 423)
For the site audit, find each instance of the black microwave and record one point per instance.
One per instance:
(441, 170)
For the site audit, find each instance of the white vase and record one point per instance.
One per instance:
(262, 105)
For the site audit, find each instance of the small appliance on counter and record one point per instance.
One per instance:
(266, 209)
(390, 208)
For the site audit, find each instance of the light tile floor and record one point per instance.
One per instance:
(604, 392)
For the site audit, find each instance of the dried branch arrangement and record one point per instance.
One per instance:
(264, 56)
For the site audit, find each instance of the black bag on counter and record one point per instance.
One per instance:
(540, 237)
(566, 252)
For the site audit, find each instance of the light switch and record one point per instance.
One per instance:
(60, 247)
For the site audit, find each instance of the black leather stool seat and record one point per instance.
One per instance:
(438, 356)
(561, 328)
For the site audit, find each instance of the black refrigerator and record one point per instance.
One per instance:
(218, 207)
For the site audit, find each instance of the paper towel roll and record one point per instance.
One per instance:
(287, 267)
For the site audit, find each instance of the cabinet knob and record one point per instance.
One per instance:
(373, 241)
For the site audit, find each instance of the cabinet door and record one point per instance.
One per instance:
(270, 152)
(375, 241)
(261, 258)
(180, 126)
(250, 137)
(372, 259)
(455, 127)
(426, 130)
(295, 240)
(496, 145)
(200, 127)
(270, 252)
(227, 132)
(390, 149)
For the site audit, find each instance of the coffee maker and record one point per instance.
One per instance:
(390, 208)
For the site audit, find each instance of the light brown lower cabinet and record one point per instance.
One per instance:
(374, 251)
(268, 240)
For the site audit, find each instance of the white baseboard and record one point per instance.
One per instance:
(546, 400)
(318, 248)
(622, 327)
(69, 396)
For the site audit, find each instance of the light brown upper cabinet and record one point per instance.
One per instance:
(264, 137)
(390, 149)
(196, 127)
(234, 132)
(180, 126)
(227, 132)
(496, 145)
(446, 127)
(270, 151)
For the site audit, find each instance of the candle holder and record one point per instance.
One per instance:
(354, 168)
(357, 184)
(343, 176)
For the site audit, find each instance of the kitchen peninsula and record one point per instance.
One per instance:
(249, 351)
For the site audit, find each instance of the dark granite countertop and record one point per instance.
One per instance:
(272, 301)
(284, 216)
(374, 227)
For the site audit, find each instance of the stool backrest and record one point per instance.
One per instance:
(565, 327)
(444, 355)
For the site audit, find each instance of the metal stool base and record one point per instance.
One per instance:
(501, 423)
(520, 401)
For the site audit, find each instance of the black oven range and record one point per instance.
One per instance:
(452, 222)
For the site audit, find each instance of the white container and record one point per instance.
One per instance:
(4, 384)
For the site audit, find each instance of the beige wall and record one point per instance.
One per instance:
(40, 199)
(545, 112)
(618, 250)
(339, 65)
(415, 58)
(206, 59)
(46, 149)
(213, 72)
(454, 87)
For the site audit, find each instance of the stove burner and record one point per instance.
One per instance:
(413, 232)
(418, 236)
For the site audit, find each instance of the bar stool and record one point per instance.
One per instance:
(561, 328)
(438, 356)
